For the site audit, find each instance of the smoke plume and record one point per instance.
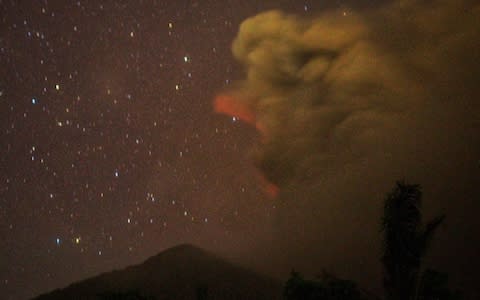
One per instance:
(349, 103)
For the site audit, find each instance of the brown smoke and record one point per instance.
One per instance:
(349, 104)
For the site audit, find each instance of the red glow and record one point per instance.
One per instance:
(270, 188)
(228, 105)
(225, 104)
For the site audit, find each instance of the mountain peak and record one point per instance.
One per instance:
(184, 247)
(179, 253)
(177, 273)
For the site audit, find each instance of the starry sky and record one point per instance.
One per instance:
(110, 149)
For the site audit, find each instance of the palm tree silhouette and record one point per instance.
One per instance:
(405, 241)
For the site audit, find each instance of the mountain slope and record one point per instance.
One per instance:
(181, 272)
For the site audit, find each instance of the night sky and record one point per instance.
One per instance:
(111, 150)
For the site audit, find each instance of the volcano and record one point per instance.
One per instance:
(181, 272)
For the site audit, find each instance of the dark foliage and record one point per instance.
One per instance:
(202, 292)
(328, 288)
(434, 286)
(128, 295)
(405, 242)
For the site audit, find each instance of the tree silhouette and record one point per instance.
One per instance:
(127, 295)
(202, 292)
(434, 286)
(328, 288)
(405, 241)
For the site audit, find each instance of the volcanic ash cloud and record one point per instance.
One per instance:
(340, 90)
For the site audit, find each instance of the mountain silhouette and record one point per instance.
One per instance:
(181, 272)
